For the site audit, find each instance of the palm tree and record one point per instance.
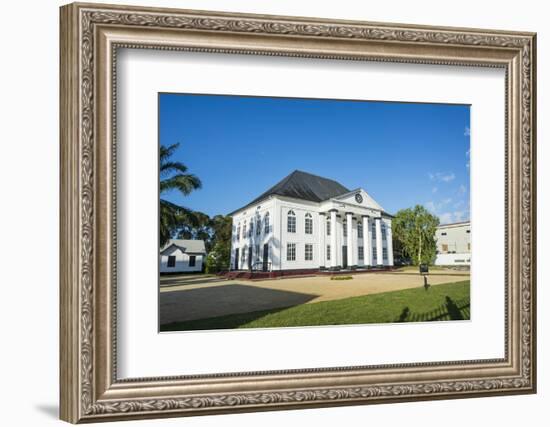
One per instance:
(174, 176)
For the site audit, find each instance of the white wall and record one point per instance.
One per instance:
(300, 238)
(182, 261)
(453, 259)
(253, 212)
(457, 238)
(29, 170)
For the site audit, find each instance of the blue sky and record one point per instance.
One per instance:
(402, 154)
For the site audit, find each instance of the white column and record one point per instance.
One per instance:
(355, 243)
(349, 243)
(379, 259)
(367, 241)
(333, 231)
(389, 243)
(322, 230)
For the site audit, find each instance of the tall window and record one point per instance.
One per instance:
(239, 232)
(258, 225)
(360, 253)
(345, 227)
(291, 251)
(192, 260)
(257, 249)
(359, 230)
(328, 226)
(291, 222)
(251, 229)
(171, 261)
(266, 223)
(373, 230)
(244, 230)
(383, 229)
(309, 224)
(308, 252)
(328, 252)
(243, 256)
(385, 253)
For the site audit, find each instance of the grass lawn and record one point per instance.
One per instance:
(449, 301)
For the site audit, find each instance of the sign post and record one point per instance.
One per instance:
(424, 271)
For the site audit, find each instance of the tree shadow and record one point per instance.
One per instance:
(217, 301)
(404, 315)
(231, 321)
(450, 310)
(453, 310)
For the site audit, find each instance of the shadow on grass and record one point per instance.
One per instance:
(215, 306)
(231, 321)
(450, 310)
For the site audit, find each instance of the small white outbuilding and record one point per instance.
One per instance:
(182, 256)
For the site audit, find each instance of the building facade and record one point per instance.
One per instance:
(453, 244)
(310, 223)
(182, 256)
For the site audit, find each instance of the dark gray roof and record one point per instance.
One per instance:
(304, 186)
(187, 246)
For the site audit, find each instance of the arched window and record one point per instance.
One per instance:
(266, 223)
(291, 222)
(309, 224)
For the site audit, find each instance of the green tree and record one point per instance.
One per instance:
(174, 176)
(414, 233)
(218, 258)
(219, 247)
(196, 229)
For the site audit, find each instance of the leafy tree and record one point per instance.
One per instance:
(174, 176)
(218, 258)
(414, 233)
(222, 229)
(196, 229)
(219, 247)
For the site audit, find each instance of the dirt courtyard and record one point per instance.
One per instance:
(199, 297)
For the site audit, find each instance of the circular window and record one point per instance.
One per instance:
(358, 198)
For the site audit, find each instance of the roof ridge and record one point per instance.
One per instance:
(315, 175)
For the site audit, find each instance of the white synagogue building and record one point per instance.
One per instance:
(306, 223)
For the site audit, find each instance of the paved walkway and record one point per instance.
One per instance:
(188, 298)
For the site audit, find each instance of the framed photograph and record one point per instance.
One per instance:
(265, 213)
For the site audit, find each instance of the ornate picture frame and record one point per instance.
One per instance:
(90, 37)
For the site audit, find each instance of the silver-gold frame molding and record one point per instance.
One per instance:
(90, 37)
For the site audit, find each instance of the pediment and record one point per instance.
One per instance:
(359, 197)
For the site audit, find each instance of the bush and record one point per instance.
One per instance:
(218, 258)
(341, 278)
